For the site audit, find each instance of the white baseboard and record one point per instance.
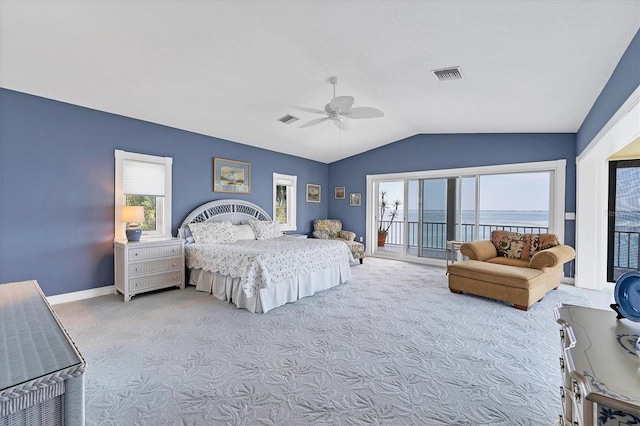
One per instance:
(568, 280)
(80, 295)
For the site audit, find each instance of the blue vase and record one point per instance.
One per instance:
(133, 234)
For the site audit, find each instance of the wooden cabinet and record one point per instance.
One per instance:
(599, 366)
(42, 372)
(148, 265)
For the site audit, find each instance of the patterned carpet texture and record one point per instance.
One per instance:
(392, 346)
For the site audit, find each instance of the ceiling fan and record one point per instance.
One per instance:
(339, 109)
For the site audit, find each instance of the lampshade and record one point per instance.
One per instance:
(133, 214)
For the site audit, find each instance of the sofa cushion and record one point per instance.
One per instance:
(509, 261)
(506, 275)
(515, 245)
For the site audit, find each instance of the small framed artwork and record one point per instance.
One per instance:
(231, 176)
(313, 193)
(355, 199)
(339, 192)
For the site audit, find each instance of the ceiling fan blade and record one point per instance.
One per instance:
(364, 112)
(316, 121)
(305, 109)
(339, 103)
(342, 124)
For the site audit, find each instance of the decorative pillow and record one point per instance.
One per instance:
(212, 232)
(538, 242)
(521, 246)
(265, 230)
(244, 232)
(508, 244)
(185, 234)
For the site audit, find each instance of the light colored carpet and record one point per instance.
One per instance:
(392, 346)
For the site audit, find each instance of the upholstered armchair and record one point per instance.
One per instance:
(331, 229)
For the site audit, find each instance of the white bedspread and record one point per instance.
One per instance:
(260, 263)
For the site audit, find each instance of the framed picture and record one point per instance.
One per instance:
(339, 192)
(313, 193)
(231, 176)
(355, 199)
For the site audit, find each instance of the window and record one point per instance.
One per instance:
(284, 201)
(464, 205)
(144, 180)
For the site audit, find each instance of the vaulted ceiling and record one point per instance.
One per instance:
(230, 69)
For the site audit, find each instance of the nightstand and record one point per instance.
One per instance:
(148, 265)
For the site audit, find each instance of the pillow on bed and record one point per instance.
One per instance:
(265, 230)
(185, 233)
(212, 232)
(244, 232)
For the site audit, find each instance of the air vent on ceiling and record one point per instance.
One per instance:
(288, 119)
(445, 74)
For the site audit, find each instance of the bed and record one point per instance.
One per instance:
(255, 266)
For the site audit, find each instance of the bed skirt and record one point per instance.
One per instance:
(229, 289)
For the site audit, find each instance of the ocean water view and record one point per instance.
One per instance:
(533, 218)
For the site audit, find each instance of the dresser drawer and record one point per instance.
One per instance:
(160, 280)
(155, 266)
(144, 253)
(566, 398)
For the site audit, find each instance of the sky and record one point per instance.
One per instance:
(521, 191)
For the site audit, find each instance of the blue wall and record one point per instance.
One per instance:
(448, 151)
(57, 183)
(624, 80)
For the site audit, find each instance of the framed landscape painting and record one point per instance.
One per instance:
(231, 176)
(339, 193)
(313, 193)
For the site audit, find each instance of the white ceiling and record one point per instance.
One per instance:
(230, 69)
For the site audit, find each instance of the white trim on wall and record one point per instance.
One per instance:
(119, 226)
(291, 182)
(81, 295)
(592, 183)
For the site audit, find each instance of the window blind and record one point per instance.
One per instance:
(143, 178)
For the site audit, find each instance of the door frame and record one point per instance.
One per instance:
(592, 171)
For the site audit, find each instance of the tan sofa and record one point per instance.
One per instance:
(511, 267)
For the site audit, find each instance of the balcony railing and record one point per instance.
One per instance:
(434, 234)
(625, 250)
(626, 253)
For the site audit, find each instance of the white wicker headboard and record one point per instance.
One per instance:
(235, 211)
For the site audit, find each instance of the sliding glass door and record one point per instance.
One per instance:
(624, 218)
(436, 217)
(462, 207)
(390, 218)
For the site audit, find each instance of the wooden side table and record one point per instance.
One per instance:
(42, 372)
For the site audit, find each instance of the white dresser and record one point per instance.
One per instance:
(148, 265)
(600, 368)
(41, 370)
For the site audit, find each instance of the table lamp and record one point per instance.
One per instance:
(132, 215)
